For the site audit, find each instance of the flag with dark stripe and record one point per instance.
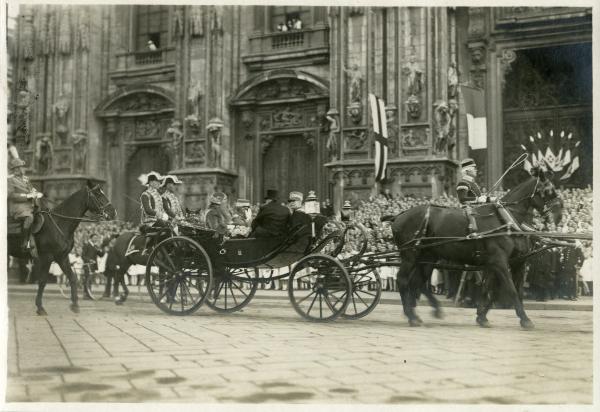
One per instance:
(380, 134)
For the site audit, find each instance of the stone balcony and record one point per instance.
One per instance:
(158, 64)
(288, 49)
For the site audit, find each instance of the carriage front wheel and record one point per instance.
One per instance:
(178, 275)
(327, 288)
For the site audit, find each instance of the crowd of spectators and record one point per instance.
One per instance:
(577, 218)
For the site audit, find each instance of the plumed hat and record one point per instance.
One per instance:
(171, 179)
(217, 198)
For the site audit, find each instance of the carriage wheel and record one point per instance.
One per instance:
(366, 293)
(331, 246)
(94, 285)
(228, 294)
(328, 288)
(178, 275)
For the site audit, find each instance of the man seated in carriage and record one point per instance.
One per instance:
(154, 218)
(299, 218)
(171, 202)
(241, 219)
(272, 219)
(22, 198)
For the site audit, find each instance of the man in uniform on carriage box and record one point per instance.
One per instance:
(90, 253)
(151, 205)
(272, 218)
(216, 217)
(468, 190)
(171, 202)
(22, 198)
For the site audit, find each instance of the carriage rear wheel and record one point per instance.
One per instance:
(228, 294)
(327, 288)
(178, 275)
(366, 293)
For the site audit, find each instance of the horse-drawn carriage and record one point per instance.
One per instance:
(185, 271)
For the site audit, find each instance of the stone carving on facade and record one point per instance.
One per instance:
(147, 129)
(414, 138)
(23, 117)
(197, 21)
(355, 82)
(178, 21)
(27, 46)
(269, 90)
(442, 119)
(111, 132)
(265, 123)
(48, 32)
(193, 127)
(174, 135)
(265, 142)
(141, 102)
(478, 66)
(356, 11)
(287, 118)
(332, 145)
(413, 107)
(64, 32)
(507, 57)
(476, 21)
(194, 97)
(414, 75)
(452, 80)
(83, 30)
(392, 129)
(214, 128)
(355, 140)
(309, 138)
(216, 19)
(355, 112)
(61, 111)
(247, 119)
(195, 151)
(80, 150)
(44, 154)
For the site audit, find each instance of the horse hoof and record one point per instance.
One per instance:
(527, 324)
(484, 323)
(74, 308)
(119, 301)
(415, 322)
(41, 312)
(438, 314)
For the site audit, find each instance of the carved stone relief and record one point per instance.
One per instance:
(332, 144)
(61, 111)
(476, 21)
(196, 151)
(413, 107)
(141, 102)
(392, 129)
(197, 21)
(214, 128)
(80, 151)
(354, 82)
(265, 142)
(193, 128)
(355, 140)
(147, 129)
(44, 153)
(309, 138)
(354, 111)
(415, 141)
(288, 118)
(178, 21)
(174, 135)
(478, 63)
(442, 116)
(83, 30)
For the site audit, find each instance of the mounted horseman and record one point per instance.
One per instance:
(53, 230)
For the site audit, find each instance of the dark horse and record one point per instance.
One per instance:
(498, 255)
(54, 240)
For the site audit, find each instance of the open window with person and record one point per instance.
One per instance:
(151, 27)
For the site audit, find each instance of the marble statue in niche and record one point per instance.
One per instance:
(175, 137)
(214, 128)
(334, 130)
(80, 150)
(44, 153)
(355, 77)
(61, 111)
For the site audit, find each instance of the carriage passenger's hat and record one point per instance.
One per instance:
(14, 163)
(171, 179)
(149, 177)
(217, 198)
(295, 197)
(272, 194)
(242, 203)
(468, 162)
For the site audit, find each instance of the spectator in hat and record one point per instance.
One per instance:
(272, 218)
(171, 202)
(153, 214)
(216, 217)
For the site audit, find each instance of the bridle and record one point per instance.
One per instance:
(91, 199)
(549, 205)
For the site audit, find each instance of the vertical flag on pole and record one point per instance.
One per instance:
(476, 120)
(381, 135)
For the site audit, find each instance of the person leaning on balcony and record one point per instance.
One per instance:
(151, 45)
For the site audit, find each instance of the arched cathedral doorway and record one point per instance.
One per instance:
(280, 130)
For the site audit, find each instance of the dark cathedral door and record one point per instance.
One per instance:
(290, 164)
(145, 159)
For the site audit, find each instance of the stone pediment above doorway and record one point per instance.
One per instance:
(281, 86)
(135, 101)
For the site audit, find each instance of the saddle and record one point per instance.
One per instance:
(14, 227)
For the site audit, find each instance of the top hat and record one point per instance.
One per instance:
(171, 179)
(467, 162)
(14, 163)
(296, 197)
(272, 194)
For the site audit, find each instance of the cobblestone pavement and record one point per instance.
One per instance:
(267, 353)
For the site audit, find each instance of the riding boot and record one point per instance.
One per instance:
(26, 232)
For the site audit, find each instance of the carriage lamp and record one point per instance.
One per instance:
(312, 208)
(347, 212)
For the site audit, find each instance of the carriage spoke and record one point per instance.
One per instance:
(232, 294)
(158, 262)
(331, 307)
(354, 304)
(239, 287)
(364, 303)
(320, 306)
(365, 292)
(311, 304)
(306, 297)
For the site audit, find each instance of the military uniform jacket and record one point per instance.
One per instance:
(172, 206)
(572, 257)
(467, 191)
(18, 203)
(151, 206)
(89, 255)
(272, 218)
